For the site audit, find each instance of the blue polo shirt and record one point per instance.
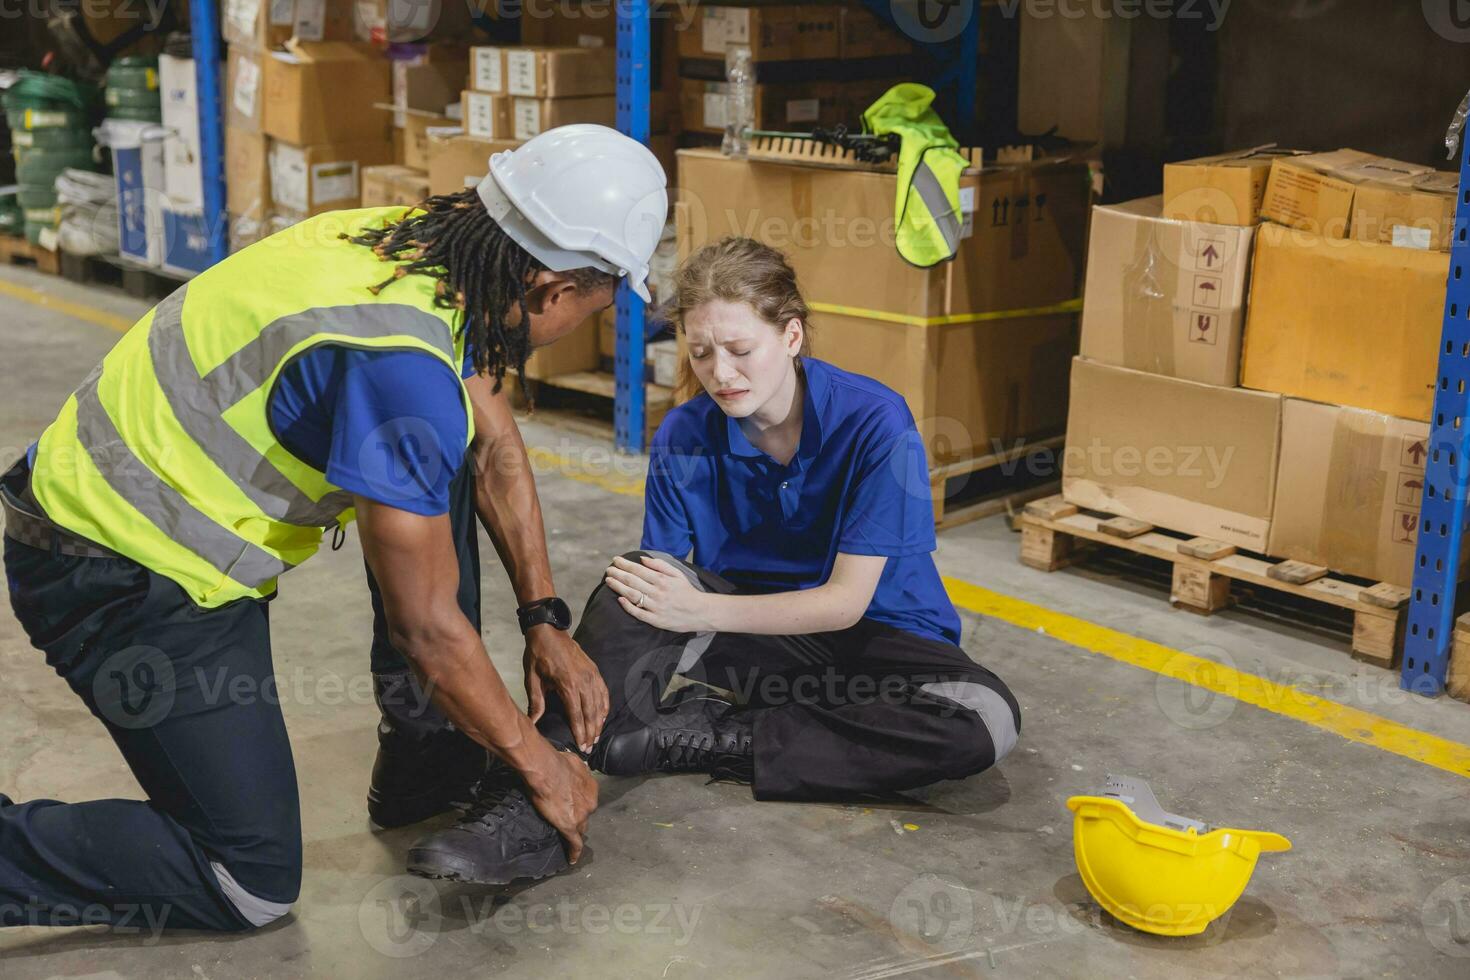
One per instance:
(858, 484)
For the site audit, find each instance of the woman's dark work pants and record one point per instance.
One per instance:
(869, 709)
(189, 697)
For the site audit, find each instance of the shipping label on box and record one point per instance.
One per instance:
(243, 88)
(1165, 296)
(1349, 490)
(1191, 457)
(257, 24)
(723, 26)
(307, 180)
(1345, 322)
(560, 72)
(487, 73)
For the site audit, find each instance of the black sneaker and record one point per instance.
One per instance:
(500, 838)
(701, 734)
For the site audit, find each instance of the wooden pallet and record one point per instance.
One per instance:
(1054, 534)
(18, 251)
(948, 515)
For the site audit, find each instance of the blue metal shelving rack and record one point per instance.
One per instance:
(635, 43)
(1442, 519)
(955, 61)
(204, 35)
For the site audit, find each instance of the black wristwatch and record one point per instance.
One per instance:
(552, 610)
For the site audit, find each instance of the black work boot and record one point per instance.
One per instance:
(423, 767)
(701, 734)
(500, 838)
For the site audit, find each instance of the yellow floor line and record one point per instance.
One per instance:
(1348, 722)
(564, 464)
(1339, 719)
(80, 311)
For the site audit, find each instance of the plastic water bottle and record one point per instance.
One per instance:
(739, 101)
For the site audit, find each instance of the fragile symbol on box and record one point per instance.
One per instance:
(1411, 489)
(1211, 254)
(1203, 327)
(1207, 292)
(1413, 452)
(1405, 523)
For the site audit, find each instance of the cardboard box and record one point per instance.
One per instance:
(530, 117)
(863, 35)
(558, 73)
(788, 105)
(1349, 490)
(383, 22)
(486, 116)
(243, 89)
(418, 125)
(1165, 296)
(1221, 190)
(790, 32)
(457, 160)
(577, 351)
(324, 93)
(973, 388)
(257, 24)
(1023, 249)
(247, 175)
(579, 23)
(1195, 458)
(1348, 193)
(308, 180)
(391, 184)
(428, 81)
(487, 70)
(1351, 323)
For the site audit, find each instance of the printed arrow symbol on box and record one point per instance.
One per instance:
(1418, 451)
(1210, 253)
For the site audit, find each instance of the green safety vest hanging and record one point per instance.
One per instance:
(166, 453)
(927, 209)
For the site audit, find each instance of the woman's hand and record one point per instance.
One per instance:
(659, 594)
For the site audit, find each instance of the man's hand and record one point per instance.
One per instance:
(553, 657)
(563, 791)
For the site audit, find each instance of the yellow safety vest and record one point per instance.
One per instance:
(166, 455)
(927, 207)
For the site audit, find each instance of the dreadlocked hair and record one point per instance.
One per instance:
(481, 271)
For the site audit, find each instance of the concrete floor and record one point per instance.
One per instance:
(689, 880)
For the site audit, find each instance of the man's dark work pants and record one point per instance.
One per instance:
(188, 696)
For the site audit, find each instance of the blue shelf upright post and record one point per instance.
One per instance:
(204, 28)
(633, 77)
(1442, 519)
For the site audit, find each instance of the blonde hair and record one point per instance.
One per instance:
(737, 270)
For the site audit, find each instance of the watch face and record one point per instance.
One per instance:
(561, 614)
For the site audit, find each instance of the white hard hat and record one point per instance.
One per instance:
(579, 196)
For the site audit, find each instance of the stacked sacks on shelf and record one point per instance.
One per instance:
(132, 90)
(50, 121)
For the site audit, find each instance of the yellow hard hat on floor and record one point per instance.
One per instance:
(1156, 871)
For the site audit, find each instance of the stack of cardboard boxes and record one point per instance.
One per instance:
(814, 65)
(1258, 355)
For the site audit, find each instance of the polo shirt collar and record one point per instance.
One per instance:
(815, 399)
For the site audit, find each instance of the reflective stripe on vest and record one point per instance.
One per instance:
(941, 212)
(199, 403)
(131, 479)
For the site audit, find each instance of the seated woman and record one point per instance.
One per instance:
(807, 645)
